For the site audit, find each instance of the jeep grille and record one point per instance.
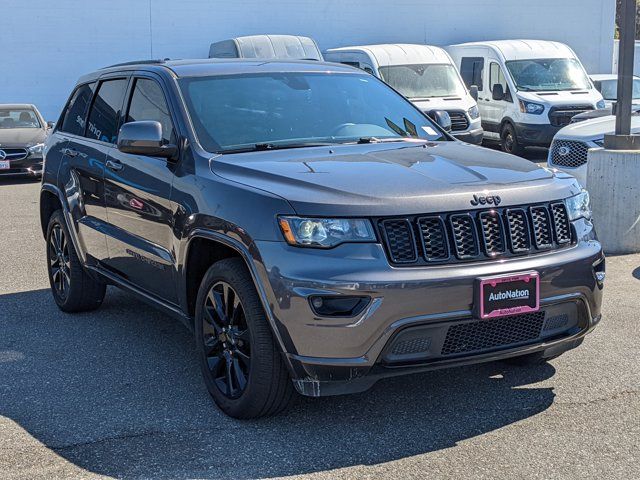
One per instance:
(475, 235)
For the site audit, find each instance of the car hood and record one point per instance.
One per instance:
(445, 103)
(393, 178)
(595, 128)
(21, 137)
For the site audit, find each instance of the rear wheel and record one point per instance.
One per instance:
(509, 140)
(73, 289)
(241, 364)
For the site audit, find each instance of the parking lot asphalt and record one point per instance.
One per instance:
(118, 393)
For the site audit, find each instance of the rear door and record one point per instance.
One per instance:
(138, 191)
(82, 175)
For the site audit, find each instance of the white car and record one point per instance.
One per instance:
(571, 144)
(607, 85)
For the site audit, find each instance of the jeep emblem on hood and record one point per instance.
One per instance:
(486, 200)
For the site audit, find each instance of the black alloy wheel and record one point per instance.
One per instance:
(74, 289)
(227, 343)
(242, 365)
(59, 261)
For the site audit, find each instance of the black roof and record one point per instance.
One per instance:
(225, 66)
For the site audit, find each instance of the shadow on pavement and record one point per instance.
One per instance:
(118, 392)
(636, 273)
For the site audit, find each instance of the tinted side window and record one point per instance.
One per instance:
(105, 111)
(148, 103)
(471, 69)
(74, 115)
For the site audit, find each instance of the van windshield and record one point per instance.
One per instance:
(261, 111)
(424, 80)
(546, 75)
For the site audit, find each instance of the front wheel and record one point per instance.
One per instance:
(509, 140)
(241, 364)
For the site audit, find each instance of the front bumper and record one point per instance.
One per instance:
(339, 355)
(474, 136)
(535, 134)
(27, 167)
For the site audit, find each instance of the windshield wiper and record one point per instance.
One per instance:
(362, 140)
(258, 147)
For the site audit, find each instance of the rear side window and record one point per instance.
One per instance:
(471, 70)
(148, 103)
(105, 111)
(74, 115)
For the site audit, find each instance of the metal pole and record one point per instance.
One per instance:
(625, 67)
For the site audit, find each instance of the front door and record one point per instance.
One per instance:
(137, 192)
(495, 110)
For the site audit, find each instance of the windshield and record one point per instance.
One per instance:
(18, 118)
(546, 75)
(609, 89)
(233, 112)
(424, 80)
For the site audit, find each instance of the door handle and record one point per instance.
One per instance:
(114, 165)
(69, 152)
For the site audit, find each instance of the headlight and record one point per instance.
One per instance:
(36, 149)
(578, 206)
(600, 142)
(325, 232)
(473, 112)
(530, 107)
(600, 105)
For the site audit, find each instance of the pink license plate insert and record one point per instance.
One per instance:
(511, 294)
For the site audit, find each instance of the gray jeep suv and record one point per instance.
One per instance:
(314, 229)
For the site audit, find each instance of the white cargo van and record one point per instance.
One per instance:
(267, 46)
(424, 74)
(528, 89)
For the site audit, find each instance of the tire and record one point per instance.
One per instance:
(241, 363)
(73, 289)
(509, 141)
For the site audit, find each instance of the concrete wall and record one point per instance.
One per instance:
(45, 46)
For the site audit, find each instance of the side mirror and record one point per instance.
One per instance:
(145, 138)
(497, 92)
(442, 118)
(473, 91)
(50, 125)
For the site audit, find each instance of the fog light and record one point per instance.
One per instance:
(338, 306)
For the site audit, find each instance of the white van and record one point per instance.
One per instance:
(267, 46)
(528, 89)
(425, 75)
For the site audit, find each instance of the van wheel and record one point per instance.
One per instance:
(241, 364)
(509, 140)
(74, 290)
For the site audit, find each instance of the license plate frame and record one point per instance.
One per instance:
(509, 294)
(5, 165)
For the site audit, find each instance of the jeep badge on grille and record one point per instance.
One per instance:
(486, 200)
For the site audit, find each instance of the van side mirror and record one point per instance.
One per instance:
(497, 92)
(442, 118)
(50, 125)
(473, 91)
(145, 138)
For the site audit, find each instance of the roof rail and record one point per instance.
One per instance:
(139, 62)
